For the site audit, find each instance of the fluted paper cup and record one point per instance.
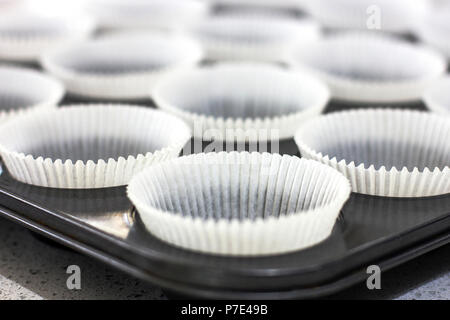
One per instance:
(435, 28)
(264, 38)
(269, 4)
(437, 96)
(383, 152)
(242, 101)
(399, 16)
(170, 15)
(24, 36)
(124, 66)
(369, 68)
(240, 203)
(7, 5)
(93, 146)
(22, 89)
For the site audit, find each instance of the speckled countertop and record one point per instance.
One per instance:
(33, 269)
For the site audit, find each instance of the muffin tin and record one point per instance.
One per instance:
(103, 224)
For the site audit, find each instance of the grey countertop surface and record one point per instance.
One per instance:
(34, 269)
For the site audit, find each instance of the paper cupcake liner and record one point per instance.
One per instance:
(397, 16)
(437, 97)
(274, 4)
(7, 5)
(283, 11)
(25, 36)
(172, 15)
(22, 89)
(240, 203)
(391, 153)
(366, 67)
(435, 28)
(123, 66)
(91, 146)
(242, 101)
(262, 38)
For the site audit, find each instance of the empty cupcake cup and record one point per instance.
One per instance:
(437, 97)
(23, 89)
(383, 152)
(435, 28)
(25, 36)
(370, 68)
(93, 146)
(397, 16)
(164, 15)
(239, 203)
(242, 101)
(122, 66)
(262, 38)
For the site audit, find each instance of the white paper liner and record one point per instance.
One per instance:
(383, 152)
(242, 101)
(239, 203)
(437, 96)
(263, 38)
(170, 15)
(24, 35)
(22, 89)
(288, 4)
(435, 28)
(122, 66)
(365, 67)
(8, 5)
(91, 146)
(399, 16)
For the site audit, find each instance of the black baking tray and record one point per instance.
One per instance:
(102, 223)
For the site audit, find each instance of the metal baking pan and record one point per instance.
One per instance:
(103, 224)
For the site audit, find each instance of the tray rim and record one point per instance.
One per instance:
(170, 259)
(328, 288)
